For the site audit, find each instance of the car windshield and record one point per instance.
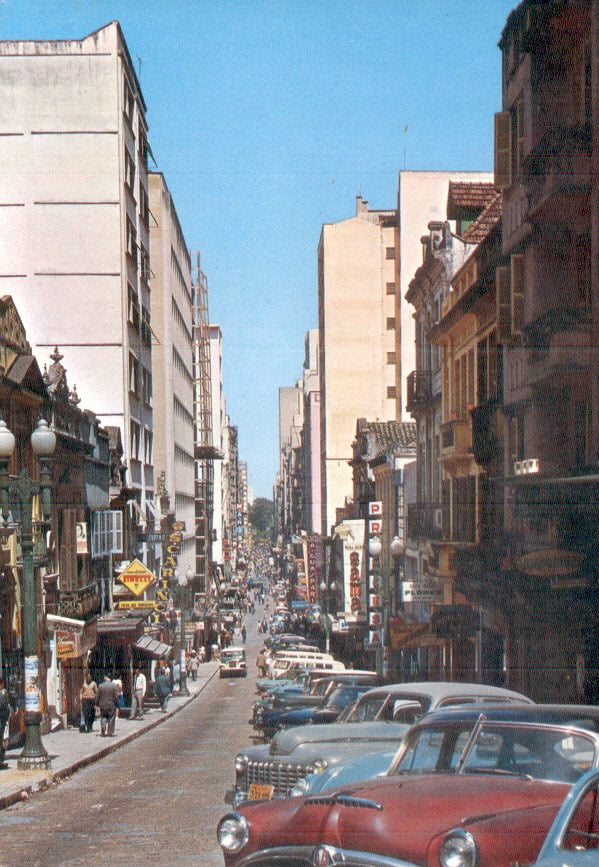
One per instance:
(341, 696)
(539, 752)
(370, 708)
(233, 654)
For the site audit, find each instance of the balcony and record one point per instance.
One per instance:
(419, 389)
(79, 603)
(425, 521)
(456, 440)
(560, 345)
(557, 174)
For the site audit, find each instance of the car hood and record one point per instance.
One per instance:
(285, 742)
(406, 817)
(357, 768)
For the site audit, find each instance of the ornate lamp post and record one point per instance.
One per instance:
(24, 488)
(184, 580)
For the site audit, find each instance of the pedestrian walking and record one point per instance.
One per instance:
(107, 698)
(202, 653)
(88, 696)
(163, 688)
(139, 694)
(261, 663)
(194, 664)
(120, 703)
(243, 634)
(4, 715)
(176, 674)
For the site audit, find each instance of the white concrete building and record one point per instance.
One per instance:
(74, 223)
(356, 325)
(172, 361)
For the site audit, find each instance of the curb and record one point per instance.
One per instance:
(23, 792)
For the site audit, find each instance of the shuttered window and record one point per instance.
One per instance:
(503, 304)
(503, 150)
(516, 293)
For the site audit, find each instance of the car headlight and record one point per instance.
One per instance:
(232, 832)
(240, 763)
(320, 765)
(458, 849)
(300, 788)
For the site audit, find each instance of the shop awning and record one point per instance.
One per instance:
(153, 647)
(124, 623)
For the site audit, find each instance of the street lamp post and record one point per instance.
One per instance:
(184, 579)
(24, 488)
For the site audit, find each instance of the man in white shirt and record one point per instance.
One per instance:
(139, 691)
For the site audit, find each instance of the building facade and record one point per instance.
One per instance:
(74, 220)
(170, 389)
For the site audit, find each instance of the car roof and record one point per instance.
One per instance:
(437, 690)
(579, 715)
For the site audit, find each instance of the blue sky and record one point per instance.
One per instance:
(267, 118)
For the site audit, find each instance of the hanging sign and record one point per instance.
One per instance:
(137, 577)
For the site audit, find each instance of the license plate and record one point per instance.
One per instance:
(260, 792)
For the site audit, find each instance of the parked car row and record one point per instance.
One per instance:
(451, 775)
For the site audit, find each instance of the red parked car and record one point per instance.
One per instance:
(474, 787)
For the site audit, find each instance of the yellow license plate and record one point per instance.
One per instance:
(260, 792)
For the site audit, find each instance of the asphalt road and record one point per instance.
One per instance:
(155, 800)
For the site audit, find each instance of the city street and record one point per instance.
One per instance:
(156, 799)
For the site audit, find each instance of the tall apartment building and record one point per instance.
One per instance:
(547, 157)
(172, 361)
(74, 222)
(311, 436)
(289, 498)
(357, 340)
(219, 415)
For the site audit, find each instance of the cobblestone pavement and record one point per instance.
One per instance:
(70, 750)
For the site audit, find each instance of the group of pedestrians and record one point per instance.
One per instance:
(107, 697)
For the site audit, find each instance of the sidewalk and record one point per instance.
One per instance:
(70, 750)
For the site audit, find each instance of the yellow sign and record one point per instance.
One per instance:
(137, 577)
(148, 604)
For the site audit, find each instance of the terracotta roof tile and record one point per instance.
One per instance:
(485, 222)
(464, 194)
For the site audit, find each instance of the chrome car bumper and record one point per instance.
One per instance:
(308, 856)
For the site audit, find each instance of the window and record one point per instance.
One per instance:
(107, 533)
(144, 264)
(128, 102)
(132, 306)
(391, 392)
(146, 330)
(129, 171)
(391, 323)
(143, 144)
(390, 253)
(390, 358)
(390, 288)
(133, 374)
(144, 205)
(131, 240)
(146, 386)
(148, 444)
(135, 440)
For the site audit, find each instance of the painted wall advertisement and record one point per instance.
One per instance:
(354, 576)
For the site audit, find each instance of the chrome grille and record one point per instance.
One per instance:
(280, 775)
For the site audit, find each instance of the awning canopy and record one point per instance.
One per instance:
(124, 623)
(152, 647)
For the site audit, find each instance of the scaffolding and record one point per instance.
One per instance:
(204, 452)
